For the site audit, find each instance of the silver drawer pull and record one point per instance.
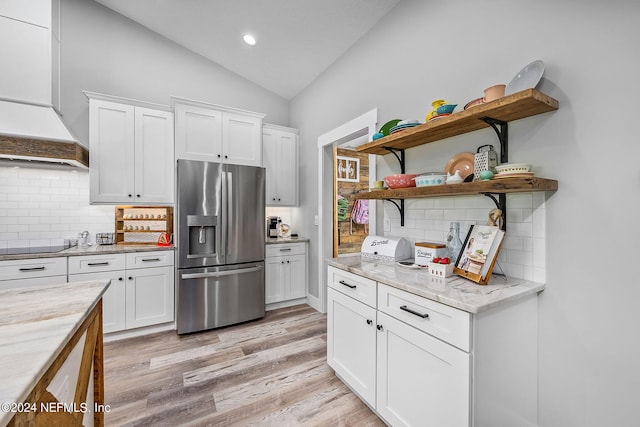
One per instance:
(342, 282)
(96, 264)
(150, 259)
(285, 250)
(408, 310)
(32, 269)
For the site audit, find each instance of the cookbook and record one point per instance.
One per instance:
(479, 253)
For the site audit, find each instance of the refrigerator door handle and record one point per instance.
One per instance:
(224, 221)
(229, 183)
(219, 273)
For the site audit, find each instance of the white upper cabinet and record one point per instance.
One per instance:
(214, 133)
(198, 133)
(280, 158)
(25, 44)
(131, 150)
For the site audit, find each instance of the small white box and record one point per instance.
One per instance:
(440, 270)
(425, 252)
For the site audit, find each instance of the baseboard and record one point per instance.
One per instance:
(282, 304)
(120, 335)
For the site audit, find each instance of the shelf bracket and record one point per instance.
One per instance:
(400, 158)
(501, 203)
(503, 136)
(400, 209)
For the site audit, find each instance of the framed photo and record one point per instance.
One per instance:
(348, 169)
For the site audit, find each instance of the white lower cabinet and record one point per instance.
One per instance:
(351, 351)
(420, 377)
(417, 362)
(32, 272)
(285, 272)
(141, 291)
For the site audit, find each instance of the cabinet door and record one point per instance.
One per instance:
(242, 139)
(288, 170)
(296, 282)
(112, 164)
(274, 279)
(270, 156)
(198, 133)
(154, 166)
(422, 381)
(113, 300)
(150, 296)
(26, 72)
(351, 343)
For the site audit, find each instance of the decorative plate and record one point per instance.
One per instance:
(527, 78)
(387, 126)
(513, 175)
(462, 162)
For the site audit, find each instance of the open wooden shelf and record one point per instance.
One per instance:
(526, 103)
(494, 186)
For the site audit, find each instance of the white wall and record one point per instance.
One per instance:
(423, 51)
(106, 53)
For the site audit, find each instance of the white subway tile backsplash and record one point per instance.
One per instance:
(40, 207)
(520, 200)
(522, 255)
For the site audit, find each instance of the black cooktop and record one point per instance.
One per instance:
(32, 250)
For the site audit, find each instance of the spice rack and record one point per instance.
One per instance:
(142, 225)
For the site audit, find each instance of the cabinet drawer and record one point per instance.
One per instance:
(30, 268)
(34, 281)
(285, 249)
(95, 263)
(358, 287)
(149, 259)
(446, 323)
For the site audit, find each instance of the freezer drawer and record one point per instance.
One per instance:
(213, 297)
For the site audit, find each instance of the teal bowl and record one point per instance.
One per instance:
(446, 108)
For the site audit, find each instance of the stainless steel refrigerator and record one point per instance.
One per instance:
(220, 245)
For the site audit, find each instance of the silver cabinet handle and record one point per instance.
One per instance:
(32, 269)
(95, 264)
(408, 310)
(219, 273)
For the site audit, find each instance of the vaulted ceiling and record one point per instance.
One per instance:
(296, 39)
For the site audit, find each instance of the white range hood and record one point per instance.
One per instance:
(30, 128)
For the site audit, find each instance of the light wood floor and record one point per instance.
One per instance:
(271, 372)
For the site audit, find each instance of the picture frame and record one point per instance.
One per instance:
(347, 169)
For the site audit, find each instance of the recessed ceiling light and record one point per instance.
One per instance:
(249, 39)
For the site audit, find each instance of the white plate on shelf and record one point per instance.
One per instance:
(527, 78)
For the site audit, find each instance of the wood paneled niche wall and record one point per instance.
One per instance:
(350, 176)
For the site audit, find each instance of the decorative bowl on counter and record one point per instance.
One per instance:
(431, 178)
(401, 180)
(513, 168)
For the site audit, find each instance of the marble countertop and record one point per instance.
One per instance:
(454, 291)
(90, 250)
(281, 240)
(35, 325)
